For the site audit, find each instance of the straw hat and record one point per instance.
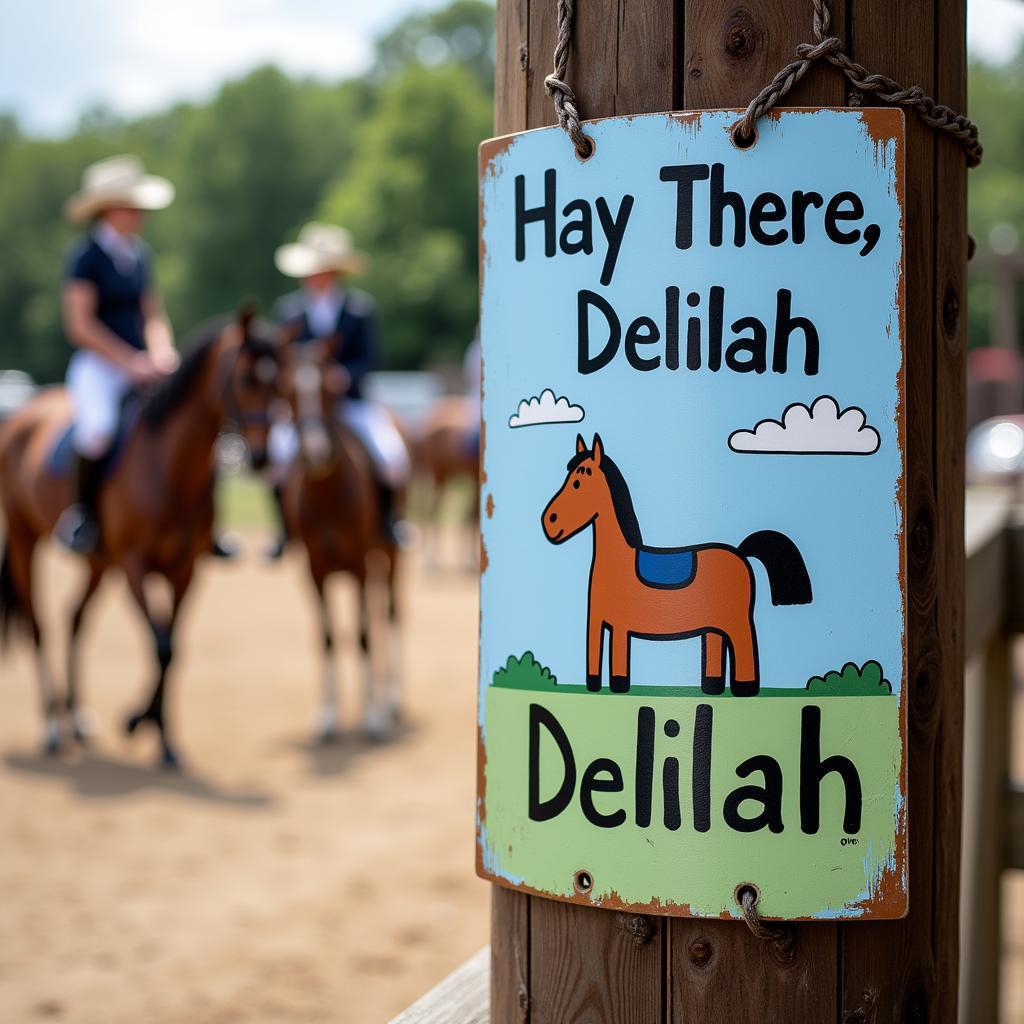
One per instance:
(320, 248)
(118, 181)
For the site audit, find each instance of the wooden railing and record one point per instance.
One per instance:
(993, 834)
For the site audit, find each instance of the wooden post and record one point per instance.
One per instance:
(555, 962)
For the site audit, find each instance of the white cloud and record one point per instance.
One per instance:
(546, 409)
(61, 56)
(821, 429)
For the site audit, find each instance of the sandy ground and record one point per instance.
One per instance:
(275, 879)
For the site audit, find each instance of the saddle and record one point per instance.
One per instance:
(667, 568)
(62, 457)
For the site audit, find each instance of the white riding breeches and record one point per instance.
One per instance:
(374, 427)
(97, 388)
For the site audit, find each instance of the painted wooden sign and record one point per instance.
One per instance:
(692, 670)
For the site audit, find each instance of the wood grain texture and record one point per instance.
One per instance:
(511, 66)
(510, 956)
(593, 966)
(460, 999)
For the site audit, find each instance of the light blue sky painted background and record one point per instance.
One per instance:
(668, 430)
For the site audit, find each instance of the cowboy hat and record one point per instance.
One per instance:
(320, 248)
(118, 181)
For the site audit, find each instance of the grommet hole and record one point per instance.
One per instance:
(582, 881)
(739, 140)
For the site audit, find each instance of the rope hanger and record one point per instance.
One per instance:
(826, 47)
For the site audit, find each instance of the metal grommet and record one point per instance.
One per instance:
(747, 893)
(584, 155)
(583, 881)
(741, 141)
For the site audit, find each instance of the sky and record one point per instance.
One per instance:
(58, 57)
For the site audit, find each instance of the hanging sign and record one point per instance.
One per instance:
(692, 667)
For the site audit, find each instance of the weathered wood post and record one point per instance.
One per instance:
(555, 962)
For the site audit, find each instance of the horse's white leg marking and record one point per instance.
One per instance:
(395, 667)
(52, 734)
(327, 718)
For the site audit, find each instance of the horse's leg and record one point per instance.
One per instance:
(744, 680)
(595, 648)
(82, 723)
(433, 525)
(327, 728)
(163, 645)
(393, 679)
(712, 676)
(619, 658)
(18, 552)
(375, 718)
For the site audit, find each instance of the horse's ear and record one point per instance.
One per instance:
(246, 315)
(598, 451)
(581, 445)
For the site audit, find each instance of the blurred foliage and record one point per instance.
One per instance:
(391, 154)
(996, 192)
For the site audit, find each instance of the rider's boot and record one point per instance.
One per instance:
(78, 527)
(277, 548)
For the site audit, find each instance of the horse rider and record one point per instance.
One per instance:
(115, 320)
(326, 307)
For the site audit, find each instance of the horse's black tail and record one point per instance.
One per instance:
(11, 611)
(787, 574)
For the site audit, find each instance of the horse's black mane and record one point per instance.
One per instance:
(621, 500)
(160, 403)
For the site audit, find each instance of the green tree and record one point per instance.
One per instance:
(409, 196)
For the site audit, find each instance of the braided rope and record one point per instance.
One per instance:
(566, 105)
(827, 47)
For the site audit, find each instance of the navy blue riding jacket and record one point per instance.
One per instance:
(118, 295)
(354, 340)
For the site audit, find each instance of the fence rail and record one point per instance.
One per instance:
(993, 835)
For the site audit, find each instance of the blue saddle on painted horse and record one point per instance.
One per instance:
(61, 460)
(670, 568)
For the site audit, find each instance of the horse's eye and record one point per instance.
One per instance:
(575, 485)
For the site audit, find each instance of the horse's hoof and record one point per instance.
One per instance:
(375, 726)
(619, 684)
(326, 726)
(84, 725)
(169, 759)
(713, 685)
(54, 741)
(594, 684)
(132, 723)
(749, 688)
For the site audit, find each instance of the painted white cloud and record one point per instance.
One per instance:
(822, 429)
(546, 409)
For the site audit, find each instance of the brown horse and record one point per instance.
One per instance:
(667, 593)
(448, 449)
(331, 504)
(156, 507)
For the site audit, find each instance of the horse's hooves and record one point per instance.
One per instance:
(328, 736)
(376, 728)
(618, 684)
(53, 744)
(749, 688)
(132, 723)
(169, 760)
(84, 725)
(713, 685)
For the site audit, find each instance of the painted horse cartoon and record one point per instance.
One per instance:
(667, 593)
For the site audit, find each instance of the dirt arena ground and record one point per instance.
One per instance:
(274, 880)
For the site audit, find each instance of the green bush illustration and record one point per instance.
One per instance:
(851, 682)
(525, 673)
